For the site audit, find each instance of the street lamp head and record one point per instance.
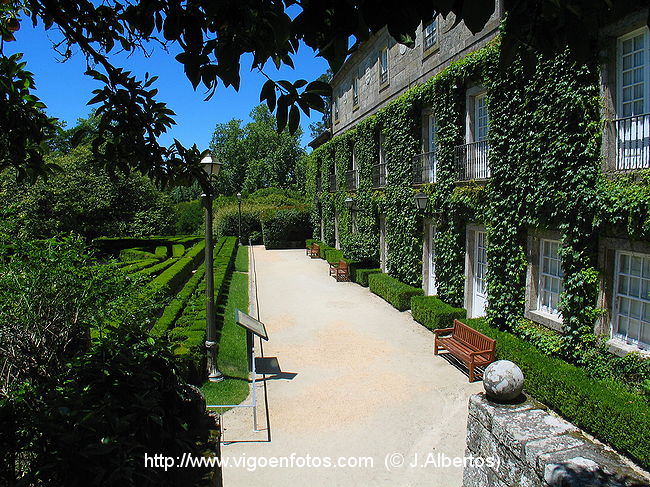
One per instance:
(421, 201)
(209, 165)
(239, 196)
(349, 203)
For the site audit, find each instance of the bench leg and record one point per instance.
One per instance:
(435, 346)
(471, 372)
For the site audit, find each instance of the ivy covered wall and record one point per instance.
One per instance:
(545, 143)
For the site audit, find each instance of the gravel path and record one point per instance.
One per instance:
(366, 386)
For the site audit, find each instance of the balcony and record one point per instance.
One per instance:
(630, 144)
(352, 179)
(379, 175)
(424, 168)
(332, 183)
(472, 161)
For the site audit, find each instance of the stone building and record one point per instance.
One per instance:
(382, 72)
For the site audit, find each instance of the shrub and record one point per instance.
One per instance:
(178, 250)
(169, 280)
(174, 309)
(360, 276)
(161, 251)
(156, 269)
(333, 256)
(128, 255)
(228, 224)
(188, 216)
(286, 229)
(395, 292)
(139, 265)
(603, 408)
(433, 313)
(324, 248)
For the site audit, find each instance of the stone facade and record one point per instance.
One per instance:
(526, 445)
(406, 67)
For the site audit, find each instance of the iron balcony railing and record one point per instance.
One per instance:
(632, 146)
(332, 183)
(424, 168)
(472, 161)
(379, 175)
(352, 179)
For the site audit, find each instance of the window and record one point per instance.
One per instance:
(383, 66)
(355, 91)
(481, 118)
(633, 101)
(430, 32)
(551, 277)
(335, 108)
(631, 313)
(633, 68)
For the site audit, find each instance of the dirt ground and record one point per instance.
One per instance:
(360, 399)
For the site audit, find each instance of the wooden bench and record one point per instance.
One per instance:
(342, 272)
(466, 344)
(314, 251)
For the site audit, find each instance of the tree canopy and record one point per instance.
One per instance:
(255, 155)
(212, 37)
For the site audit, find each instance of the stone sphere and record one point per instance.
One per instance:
(503, 380)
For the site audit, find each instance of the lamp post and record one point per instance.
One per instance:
(239, 203)
(211, 168)
(349, 203)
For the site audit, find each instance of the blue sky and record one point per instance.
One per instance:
(65, 89)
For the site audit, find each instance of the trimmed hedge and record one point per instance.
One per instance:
(434, 313)
(161, 251)
(174, 309)
(178, 250)
(333, 256)
(169, 280)
(361, 275)
(113, 245)
(603, 408)
(139, 265)
(128, 255)
(395, 292)
(156, 269)
(286, 229)
(323, 249)
(189, 332)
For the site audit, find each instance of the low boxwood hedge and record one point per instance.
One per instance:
(139, 265)
(128, 255)
(156, 269)
(189, 332)
(606, 409)
(360, 276)
(161, 251)
(323, 249)
(395, 292)
(434, 313)
(333, 256)
(178, 250)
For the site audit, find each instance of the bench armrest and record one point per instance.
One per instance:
(441, 331)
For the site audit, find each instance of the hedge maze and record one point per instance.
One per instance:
(173, 274)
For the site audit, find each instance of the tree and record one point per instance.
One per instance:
(83, 199)
(256, 155)
(212, 37)
(320, 126)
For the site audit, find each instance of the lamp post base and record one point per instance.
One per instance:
(214, 375)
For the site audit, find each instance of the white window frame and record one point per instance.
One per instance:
(616, 308)
(541, 306)
(480, 117)
(430, 33)
(335, 109)
(431, 175)
(384, 66)
(645, 52)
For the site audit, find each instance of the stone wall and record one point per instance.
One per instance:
(529, 446)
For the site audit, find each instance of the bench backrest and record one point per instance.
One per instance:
(472, 338)
(315, 247)
(343, 265)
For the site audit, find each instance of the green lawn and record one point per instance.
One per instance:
(241, 261)
(232, 356)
